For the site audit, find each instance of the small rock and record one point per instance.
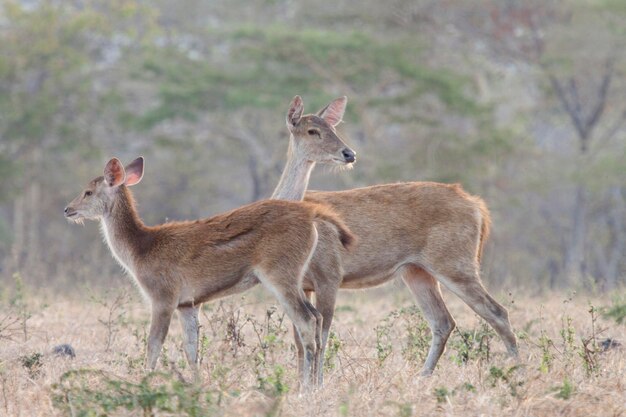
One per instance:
(609, 343)
(64, 350)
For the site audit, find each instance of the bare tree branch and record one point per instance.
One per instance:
(602, 96)
(567, 105)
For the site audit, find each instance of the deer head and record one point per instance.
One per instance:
(95, 201)
(313, 136)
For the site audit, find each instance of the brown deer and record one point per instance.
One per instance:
(179, 265)
(427, 233)
(317, 141)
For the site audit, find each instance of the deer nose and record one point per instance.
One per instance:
(66, 210)
(349, 155)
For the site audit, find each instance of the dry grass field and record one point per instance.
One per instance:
(248, 359)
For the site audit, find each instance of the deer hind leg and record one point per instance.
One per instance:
(188, 317)
(466, 284)
(159, 326)
(427, 293)
(298, 342)
(303, 315)
(325, 300)
(326, 274)
(317, 360)
(284, 276)
(297, 307)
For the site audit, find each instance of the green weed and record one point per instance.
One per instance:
(590, 351)
(506, 376)
(19, 304)
(332, 350)
(565, 391)
(617, 311)
(418, 335)
(33, 363)
(87, 393)
(116, 313)
(472, 345)
(384, 346)
(441, 394)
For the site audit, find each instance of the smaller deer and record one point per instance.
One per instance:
(180, 265)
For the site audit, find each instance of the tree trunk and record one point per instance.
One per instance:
(34, 217)
(618, 243)
(33, 210)
(575, 255)
(17, 247)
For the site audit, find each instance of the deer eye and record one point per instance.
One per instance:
(313, 132)
(88, 193)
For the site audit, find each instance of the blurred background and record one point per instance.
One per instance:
(522, 102)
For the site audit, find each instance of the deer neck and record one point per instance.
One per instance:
(295, 177)
(123, 230)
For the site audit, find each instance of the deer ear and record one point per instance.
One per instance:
(114, 173)
(134, 172)
(295, 111)
(333, 112)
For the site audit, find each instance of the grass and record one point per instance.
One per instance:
(248, 361)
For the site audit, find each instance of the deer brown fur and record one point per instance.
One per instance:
(180, 265)
(427, 233)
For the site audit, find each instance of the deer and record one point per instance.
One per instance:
(180, 265)
(427, 233)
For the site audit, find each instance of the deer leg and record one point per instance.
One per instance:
(294, 302)
(325, 303)
(428, 297)
(159, 326)
(317, 361)
(298, 342)
(305, 323)
(188, 317)
(467, 286)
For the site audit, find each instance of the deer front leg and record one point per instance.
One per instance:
(188, 317)
(159, 326)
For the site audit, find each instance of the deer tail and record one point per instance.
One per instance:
(485, 226)
(326, 214)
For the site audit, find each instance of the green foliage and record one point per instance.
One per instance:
(384, 346)
(590, 351)
(507, 376)
(617, 311)
(546, 346)
(418, 335)
(269, 60)
(441, 394)
(33, 363)
(116, 314)
(332, 350)
(51, 58)
(565, 391)
(547, 357)
(404, 409)
(51, 45)
(568, 336)
(415, 332)
(472, 345)
(20, 305)
(87, 392)
(274, 384)
(270, 335)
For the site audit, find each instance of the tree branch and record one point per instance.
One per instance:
(567, 106)
(602, 96)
